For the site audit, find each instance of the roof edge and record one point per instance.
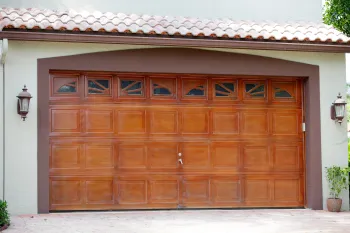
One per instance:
(169, 41)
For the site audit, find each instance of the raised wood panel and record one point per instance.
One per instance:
(131, 122)
(225, 123)
(225, 190)
(254, 123)
(286, 190)
(65, 156)
(132, 156)
(195, 155)
(285, 123)
(66, 192)
(65, 121)
(225, 156)
(257, 190)
(99, 121)
(256, 158)
(132, 192)
(118, 147)
(195, 122)
(286, 157)
(99, 192)
(164, 191)
(196, 190)
(164, 122)
(162, 155)
(99, 156)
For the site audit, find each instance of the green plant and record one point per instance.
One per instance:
(337, 14)
(4, 215)
(338, 180)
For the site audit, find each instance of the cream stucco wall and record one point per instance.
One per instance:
(21, 137)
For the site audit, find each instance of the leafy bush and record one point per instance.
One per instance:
(338, 180)
(337, 14)
(4, 215)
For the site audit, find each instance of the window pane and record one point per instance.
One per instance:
(92, 84)
(249, 86)
(196, 92)
(224, 89)
(126, 83)
(255, 90)
(282, 93)
(160, 90)
(259, 89)
(131, 87)
(68, 88)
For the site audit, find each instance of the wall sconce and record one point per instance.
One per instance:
(23, 103)
(338, 109)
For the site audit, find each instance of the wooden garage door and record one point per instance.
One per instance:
(117, 141)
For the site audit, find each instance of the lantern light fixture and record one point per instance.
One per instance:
(23, 103)
(338, 109)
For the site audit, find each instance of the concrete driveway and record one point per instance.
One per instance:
(194, 221)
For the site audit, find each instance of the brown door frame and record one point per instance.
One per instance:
(189, 61)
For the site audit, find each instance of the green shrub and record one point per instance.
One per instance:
(4, 215)
(338, 180)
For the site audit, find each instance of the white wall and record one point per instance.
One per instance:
(21, 137)
(309, 10)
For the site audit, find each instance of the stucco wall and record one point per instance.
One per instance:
(309, 10)
(21, 137)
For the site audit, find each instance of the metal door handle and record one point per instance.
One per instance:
(180, 161)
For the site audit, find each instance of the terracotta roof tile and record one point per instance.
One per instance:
(167, 25)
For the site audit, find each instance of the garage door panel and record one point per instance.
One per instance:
(99, 192)
(99, 156)
(256, 158)
(225, 190)
(65, 121)
(195, 122)
(286, 123)
(196, 190)
(287, 157)
(66, 191)
(164, 122)
(287, 190)
(66, 156)
(132, 156)
(225, 155)
(225, 123)
(164, 190)
(131, 192)
(257, 190)
(254, 122)
(99, 121)
(162, 155)
(131, 121)
(195, 155)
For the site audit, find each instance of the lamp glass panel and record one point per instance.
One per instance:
(24, 105)
(339, 110)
